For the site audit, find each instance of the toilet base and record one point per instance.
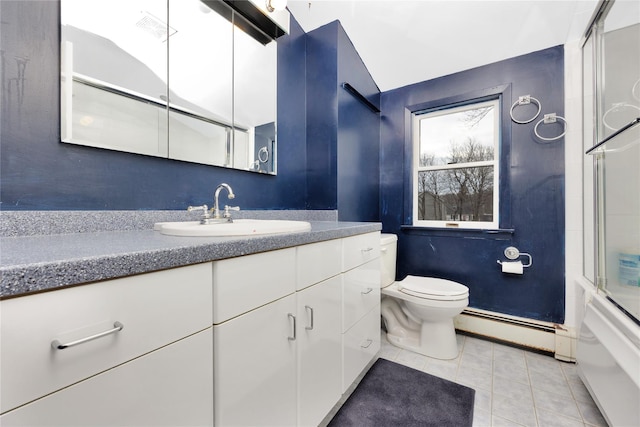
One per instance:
(424, 329)
(434, 339)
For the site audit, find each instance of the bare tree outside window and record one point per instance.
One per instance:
(456, 165)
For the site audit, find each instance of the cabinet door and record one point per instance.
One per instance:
(255, 367)
(319, 350)
(168, 387)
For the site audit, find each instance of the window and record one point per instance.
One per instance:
(455, 166)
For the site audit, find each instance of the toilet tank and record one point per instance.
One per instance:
(388, 250)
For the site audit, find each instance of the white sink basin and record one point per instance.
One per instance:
(239, 227)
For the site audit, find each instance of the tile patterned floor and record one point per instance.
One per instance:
(513, 387)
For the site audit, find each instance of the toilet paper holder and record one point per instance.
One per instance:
(513, 254)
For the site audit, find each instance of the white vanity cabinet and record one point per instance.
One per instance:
(281, 343)
(277, 336)
(156, 370)
(280, 364)
(264, 339)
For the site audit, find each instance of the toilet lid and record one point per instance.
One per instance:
(429, 287)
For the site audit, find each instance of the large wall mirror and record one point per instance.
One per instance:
(168, 78)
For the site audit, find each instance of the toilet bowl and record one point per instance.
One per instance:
(418, 312)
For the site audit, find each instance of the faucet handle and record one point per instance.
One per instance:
(227, 209)
(203, 208)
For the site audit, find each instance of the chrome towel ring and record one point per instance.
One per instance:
(617, 107)
(548, 119)
(263, 155)
(524, 100)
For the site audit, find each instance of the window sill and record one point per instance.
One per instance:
(448, 231)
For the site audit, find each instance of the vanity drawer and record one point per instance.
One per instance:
(151, 390)
(155, 309)
(361, 292)
(357, 250)
(361, 343)
(245, 283)
(318, 262)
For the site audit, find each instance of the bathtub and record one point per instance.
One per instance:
(608, 360)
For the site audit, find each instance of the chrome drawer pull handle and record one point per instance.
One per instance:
(310, 327)
(368, 291)
(369, 342)
(117, 327)
(292, 338)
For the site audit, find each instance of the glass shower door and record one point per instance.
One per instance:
(618, 160)
(615, 119)
(608, 348)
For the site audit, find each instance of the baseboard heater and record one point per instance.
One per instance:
(532, 334)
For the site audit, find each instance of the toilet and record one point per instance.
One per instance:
(418, 312)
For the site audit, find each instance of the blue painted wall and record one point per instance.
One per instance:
(333, 153)
(322, 118)
(532, 191)
(343, 135)
(39, 172)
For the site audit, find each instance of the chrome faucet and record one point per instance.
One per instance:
(217, 217)
(216, 206)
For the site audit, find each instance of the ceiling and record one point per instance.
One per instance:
(404, 42)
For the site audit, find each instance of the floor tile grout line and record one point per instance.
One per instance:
(533, 396)
(573, 395)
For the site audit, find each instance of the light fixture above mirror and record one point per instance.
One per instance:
(264, 20)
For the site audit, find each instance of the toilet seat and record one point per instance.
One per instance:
(432, 288)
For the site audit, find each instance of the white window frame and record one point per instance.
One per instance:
(417, 117)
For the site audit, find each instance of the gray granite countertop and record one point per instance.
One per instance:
(46, 262)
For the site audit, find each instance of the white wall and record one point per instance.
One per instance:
(574, 154)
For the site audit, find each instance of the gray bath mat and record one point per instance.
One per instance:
(395, 395)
